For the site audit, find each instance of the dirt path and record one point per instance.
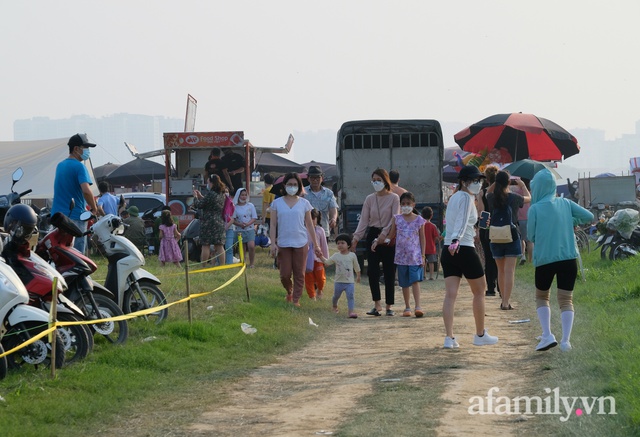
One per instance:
(315, 389)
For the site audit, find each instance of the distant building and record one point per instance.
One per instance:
(109, 132)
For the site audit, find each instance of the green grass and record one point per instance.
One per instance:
(159, 364)
(605, 360)
(173, 366)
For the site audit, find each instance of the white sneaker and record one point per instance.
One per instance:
(565, 346)
(450, 343)
(546, 343)
(485, 340)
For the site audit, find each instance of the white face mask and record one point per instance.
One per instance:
(474, 187)
(406, 209)
(291, 191)
(377, 185)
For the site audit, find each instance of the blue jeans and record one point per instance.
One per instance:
(80, 242)
(228, 246)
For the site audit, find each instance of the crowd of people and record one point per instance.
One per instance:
(300, 220)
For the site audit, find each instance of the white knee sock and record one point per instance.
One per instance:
(567, 324)
(544, 316)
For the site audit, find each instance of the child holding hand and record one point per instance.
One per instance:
(347, 273)
(408, 228)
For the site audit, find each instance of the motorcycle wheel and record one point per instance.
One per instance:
(621, 251)
(3, 364)
(38, 352)
(78, 339)
(114, 332)
(153, 295)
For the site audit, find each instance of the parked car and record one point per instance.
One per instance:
(145, 201)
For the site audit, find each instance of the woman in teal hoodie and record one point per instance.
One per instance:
(550, 227)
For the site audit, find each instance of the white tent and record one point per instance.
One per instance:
(38, 159)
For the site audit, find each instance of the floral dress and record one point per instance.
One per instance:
(408, 252)
(211, 224)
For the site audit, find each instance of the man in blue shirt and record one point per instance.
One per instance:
(72, 182)
(107, 201)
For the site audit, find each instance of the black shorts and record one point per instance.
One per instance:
(566, 272)
(464, 263)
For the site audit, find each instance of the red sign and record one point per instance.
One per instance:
(203, 139)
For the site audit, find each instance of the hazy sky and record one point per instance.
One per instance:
(269, 68)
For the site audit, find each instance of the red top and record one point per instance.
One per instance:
(431, 235)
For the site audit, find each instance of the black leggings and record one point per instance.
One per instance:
(490, 267)
(386, 255)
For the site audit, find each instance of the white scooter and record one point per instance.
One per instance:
(21, 322)
(134, 288)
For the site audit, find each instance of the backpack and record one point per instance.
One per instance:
(502, 229)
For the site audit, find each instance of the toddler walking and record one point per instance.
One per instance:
(347, 273)
(169, 249)
(408, 228)
(431, 238)
(314, 277)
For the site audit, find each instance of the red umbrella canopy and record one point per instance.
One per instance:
(518, 136)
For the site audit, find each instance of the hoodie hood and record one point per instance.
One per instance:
(543, 187)
(236, 197)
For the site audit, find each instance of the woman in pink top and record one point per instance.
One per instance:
(375, 219)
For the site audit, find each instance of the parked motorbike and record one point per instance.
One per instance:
(134, 288)
(95, 301)
(20, 224)
(622, 237)
(38, 278)
(191, 234)
(20, 323)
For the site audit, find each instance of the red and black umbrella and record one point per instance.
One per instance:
(522, 136)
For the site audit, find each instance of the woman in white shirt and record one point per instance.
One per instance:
(244, 217)
(459, 257)
(291, 220)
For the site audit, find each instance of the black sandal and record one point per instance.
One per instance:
(507, 308)
(373, 312)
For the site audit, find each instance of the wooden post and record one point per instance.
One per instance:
(53, 314)
(241, 253)
(185, 258)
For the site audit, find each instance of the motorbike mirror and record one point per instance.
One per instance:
(85, 216)
(17, 175)
(122, 202)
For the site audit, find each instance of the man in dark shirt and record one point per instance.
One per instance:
(216, 166)
(234, 163)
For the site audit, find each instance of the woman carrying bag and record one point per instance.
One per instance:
(376, 217)
(506, 254)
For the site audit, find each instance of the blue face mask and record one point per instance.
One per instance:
(86, 153)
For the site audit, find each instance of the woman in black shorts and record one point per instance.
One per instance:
(459, 256)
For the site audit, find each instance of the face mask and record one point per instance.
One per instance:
(474, 187)
(291, 191)
(377, 185)
(85, 154)
(406, 209)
